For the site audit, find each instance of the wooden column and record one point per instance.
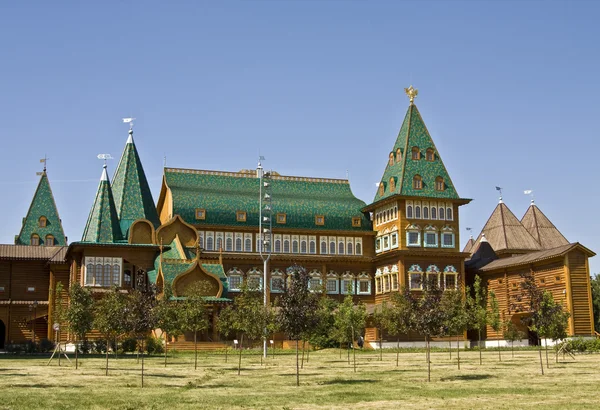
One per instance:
(569, 296)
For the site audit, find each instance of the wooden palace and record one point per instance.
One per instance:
(205, 227)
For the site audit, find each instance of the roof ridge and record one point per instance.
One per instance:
(405, 153)
(238, 174)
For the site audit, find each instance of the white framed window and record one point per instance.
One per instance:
(277, 248)
(430, 237)
(304, 244)
(286, 243)
(295, 244)
(255, 278)
(347, 284)
(259, 244)
(449, 214)
(323, 245)
(316, 281)
(247, 242)
(312, 245)
(415, 278)
(332, 245)
(219, 241)
(228, 242)
(378, 244)
(394, 240)
(433, 212)
(409, 211)
(103, 271)
(450, 277)
(413, 236)
(364, 284)
(210, 241)
(394, 276)
(333, 283)
(234, 279)
(201, 239)
(441, 213)
(378, 281)
(433, 276)
(277, 282)
(417, 212)
(341, 246)
(447, 240)
(239, 242)
(386, 242)
(358, 246)
(349, 246)
(425, 212)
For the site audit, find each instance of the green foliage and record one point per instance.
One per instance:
(110, 314)
(477, 305)
(80, 312)
(193, 309)
(595, 284)
(580, 345)
(494, 313)
(429, 318)
(299, 308)
(168, 313)
(349, 321)
(322, 336)
(140, 317)
(46, 345)
(454, 309)
(401, 316)
(153, 345)
(511, 332)
(129, 345)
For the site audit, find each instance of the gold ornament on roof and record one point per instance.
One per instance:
(412, 93)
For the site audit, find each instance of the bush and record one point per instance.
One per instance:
(85, 347)
(100, 346)
(154, 345)
(46, 345)
(580, 345)
(129, 345)
(31, 347)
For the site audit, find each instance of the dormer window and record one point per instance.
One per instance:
(35, 240)
(381, 189)
(416, 154)
(356, 222)
(200, 214)
(398, 155)
(240, 216)
(392, 184)
(391, 161)
(417, 182)
(439, 184)
(429, 155)
(49, 240)
(281, 218)
(42, 222)
(320, 220)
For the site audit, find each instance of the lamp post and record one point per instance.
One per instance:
(265, 225)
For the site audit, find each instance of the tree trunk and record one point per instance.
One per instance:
(351, 344)
(115, 348)
(458, 351)
(546, 344)
(512, 348)
(397, 350)
(480, 359)
(428, 360)
(499, 352)
(354, 350)
(107, 343)
(59, 350)
(380, 347)
(540, 351)
(297, 366)
(303, 343)
(166, 344)
(307, 352)
(341, 346)
(240, 358)
(195, 350)
(76, 357)
(226, 353)
(142, 364)
(450, 347)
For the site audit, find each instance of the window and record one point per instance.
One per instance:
(31, 289)
(248, 244)
(394, 277)
(381, 189)
(42, 222)
(323, 247)
(415, 153)
(392, 184)
(35, 240)
(418, 212)
(341, 248)
(433, 212)
(415, 278)
(104, 272)
(200, 214)
(240, 216)
(312, 245)
(450, 277)
(219, 243)
(391, 160)
(378, 245)
(319, 220)
(349, 248)
(364, 284)
(433, 277)
(116, 273)
(430, 239)
(447, 240)
(413, 236)
(386, 242)
(358, 246)
(332, 284)
(303, 247)
(209, 243)
(449, 214)
(429, 156)
(425, 212)
(417, 182)
(286, 243)
(277, 282)
(281, 218)
(201, 239)
(49, 240)
(442, 213)
(295, 246)
(394, 240)
(398, 155)
(229, 242)
(234, 279)
(332, 247)
(347, 284)
(127, 277)
(255, 278)
(439, 184)
(356, 222)
(409, 211)
(315, 282)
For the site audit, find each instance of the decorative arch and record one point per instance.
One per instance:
(142, 231)
(42, 222)
(196, 274)
(177, 226)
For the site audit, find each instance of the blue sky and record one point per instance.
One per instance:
(508, 91)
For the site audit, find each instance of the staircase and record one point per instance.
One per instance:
(187, 346)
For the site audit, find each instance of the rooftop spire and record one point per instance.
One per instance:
(411, 93)
(542, 229)
(103, 224)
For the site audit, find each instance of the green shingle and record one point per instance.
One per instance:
(413, 133)
(103, 224)
(133, 199)
(221, 194)
(42, 205)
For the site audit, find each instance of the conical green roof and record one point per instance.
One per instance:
(42, 205)
(401, 168)
(103, 224)
(133, 199)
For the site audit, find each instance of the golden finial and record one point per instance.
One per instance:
(412, 93)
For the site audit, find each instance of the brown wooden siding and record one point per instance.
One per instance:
(579, 293)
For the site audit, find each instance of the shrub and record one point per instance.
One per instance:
(85, 347)
(580, 345)
(100, 346)
(129, 345)
(46, 345)
(31, 347)
(154, 345)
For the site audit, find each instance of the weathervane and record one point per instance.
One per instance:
(412, 93)
(43, 161)
(129, 121)
(530, 193)
(105, 157)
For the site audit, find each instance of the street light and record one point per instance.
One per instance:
(265, 226)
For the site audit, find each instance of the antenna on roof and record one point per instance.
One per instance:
(530, 193)
(499, 190)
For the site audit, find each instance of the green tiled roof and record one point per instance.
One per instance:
(103, 225)
(133, 199)
(42, 205)
(221, 194)
(413, 133)
(171, 270)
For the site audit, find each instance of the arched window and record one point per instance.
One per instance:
(358, 249)
(332, 248)
(312, 247)
(439, 184)
(278, 245)
(433, 277)
(49, 240)
(417, 182)
(107, 274)
(442, 213)
(398, 155)
(99, 274)
(35, 240)
(415, 278)
(449, 214)
(286, 246)
(416, 154)
(234, 280)
(391, 161)
(381, 189)
(392, 184)
(42, 222)
(429, 156)
(341, 248)
(116, 279)
(295, 246)
(201, 240)
(433, 212)
(89, 273)
(209, 243)
(409, 211)
(219, 244)
(248, 245)
(229, 244)
(350, 248)
(417, 212)
(303, 247)
(425, 212)
(450, 277)
(323, 248)
(238, 244)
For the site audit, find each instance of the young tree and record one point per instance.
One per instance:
(379, 319)
(595, 284)
(511, 333)
(401, 316)
(193, 313)
(350, 319)
(477, 309)
(299, 309)
(455, 315)
(494, 319)
(169, 316)
(429, 318)
(141, 319)
(79, 314)
(321, 336)
(554, 323)
(110, 316)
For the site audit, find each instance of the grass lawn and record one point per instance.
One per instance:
(325, 382)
